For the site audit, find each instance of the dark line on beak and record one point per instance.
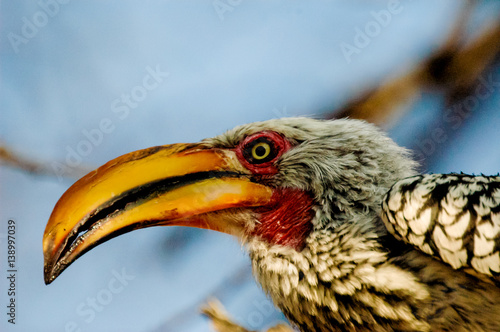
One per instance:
(119, 204)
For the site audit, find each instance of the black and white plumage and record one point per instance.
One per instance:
(352, 275)
(305, 197)
(455, 217)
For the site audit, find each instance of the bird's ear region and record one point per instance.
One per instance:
(259, 152)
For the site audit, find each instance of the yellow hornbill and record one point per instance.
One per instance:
(331, 243)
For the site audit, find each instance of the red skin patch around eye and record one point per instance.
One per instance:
(281, 144)
(287, 219)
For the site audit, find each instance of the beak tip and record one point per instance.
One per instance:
(47, 275)
(47, 278)
(50, 273)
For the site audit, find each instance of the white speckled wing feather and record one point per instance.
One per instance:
(454, 217)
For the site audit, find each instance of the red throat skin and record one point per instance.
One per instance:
(287, 219)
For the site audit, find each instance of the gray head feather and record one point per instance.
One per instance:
(347, 164)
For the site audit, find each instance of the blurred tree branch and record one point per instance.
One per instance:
(455, 69)
(222, 323)
(14, 160)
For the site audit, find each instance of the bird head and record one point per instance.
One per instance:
(274, 181)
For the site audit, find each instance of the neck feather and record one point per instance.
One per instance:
(340, 280)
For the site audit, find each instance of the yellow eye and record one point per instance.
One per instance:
(261, 150)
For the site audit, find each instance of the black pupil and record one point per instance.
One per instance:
(260, 151)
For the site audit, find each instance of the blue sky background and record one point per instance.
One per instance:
(63, 77)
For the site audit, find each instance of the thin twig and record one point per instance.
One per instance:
(14, 160)
(222, 323)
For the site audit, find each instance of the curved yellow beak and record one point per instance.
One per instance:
(177, 184)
